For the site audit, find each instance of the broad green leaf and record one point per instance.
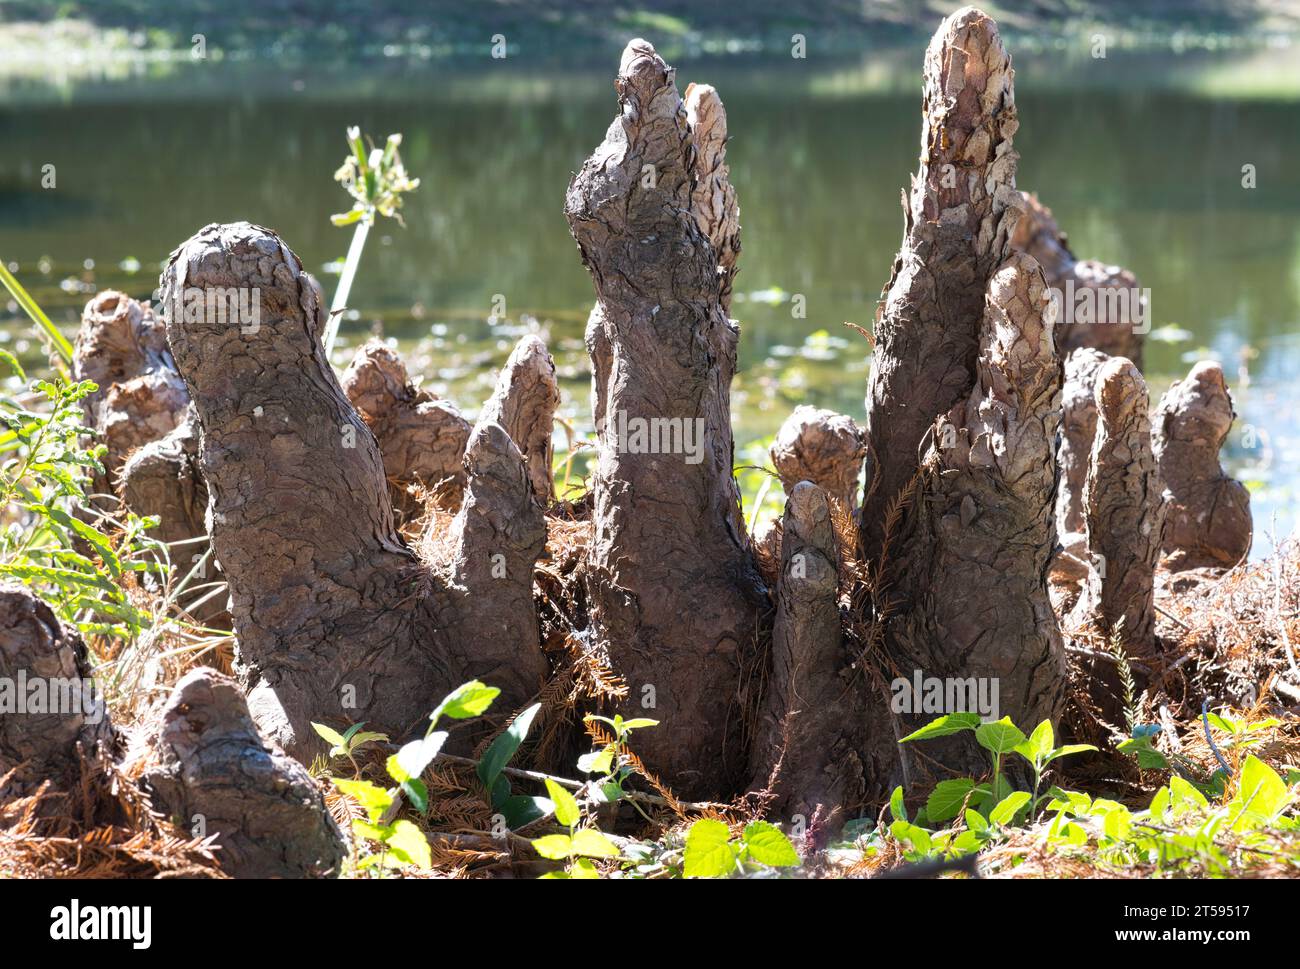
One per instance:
(597, 762)
(417, 793)
(1118, 823)
(1067, 750)
(913, 835)
(709, 852)
(583, 869)
(331, 737)
(593, 844)
(1159, 804)
(966, 843)
(409, 845)
(1000, 737)
(374, 799)
(371, 832)
(946, 800)
(566, 807)
(945, 725)
(975, 821)
(1008, 806)
(521, 809)
(467, 700)
(639, 723)
(505, 746)
(896, 806)
(1261, 788)
(1184, 796)
(1148, 757)
(768, 846)
(414, 757)
(1039, 745)
(554, 846)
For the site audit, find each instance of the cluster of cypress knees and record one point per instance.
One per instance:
(1016, 481)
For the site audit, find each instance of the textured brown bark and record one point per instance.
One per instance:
(671, 583)
(337, 620)
(1112, 332)
(524, 403)
(823, 447)
(163, 478)
(122, 346)
(976, 562)
(1078, 429)
(37, 654)
(1123, 510)
(812, 733)
(421, 438)
(212, 773)
(962, 210)
(1207, 519)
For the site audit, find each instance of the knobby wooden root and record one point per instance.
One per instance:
(205, 765)
(212, 773)
(1207, 518)
(957, 521)
(337, 619)
(50, 710)
(673, 591)
(1113, 329)
(809, 743)
(421, 438)
(977, 557)
(1123, 511)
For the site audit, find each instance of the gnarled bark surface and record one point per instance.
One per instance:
(1207, 518)
(122, 347)
(421, 438)
(1123, 510)
(1111, 329)
(958, 222)
(337, 620)
(524, 403)
(812, 734)
(47, 705)
(214, 775)
(823, 447)
(670, 580)
(976, 561)
(1073, 452)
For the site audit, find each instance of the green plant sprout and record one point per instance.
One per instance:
(579, 846)
(711, 852)
(376, 180)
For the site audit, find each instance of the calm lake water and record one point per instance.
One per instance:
(1141, 163)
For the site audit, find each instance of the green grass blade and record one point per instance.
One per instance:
(60, 342)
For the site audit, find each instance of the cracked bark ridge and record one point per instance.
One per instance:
(673, 591)
(1207, 518)
(163, 478)
(212, 773)
(1078, 429)
(421, 437)
(713, 199)
(812, 722)
(122, 347)
(41, 662)
(1123, 510)
(336, 619)
(958, 221)
(1112, 331)
(524, 403)
(823, 447)
(977, 561)
(1073, 452)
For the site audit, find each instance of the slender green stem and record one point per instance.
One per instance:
(345, 282)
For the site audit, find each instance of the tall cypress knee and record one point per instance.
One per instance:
(672, 587)
(961, 212)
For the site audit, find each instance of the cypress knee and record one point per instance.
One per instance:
(673, 591)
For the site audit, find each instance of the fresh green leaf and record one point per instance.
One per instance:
(999, 737)
(566, 807)
(942, 727)
(709, 852)
(769, 846)
(946, 800)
